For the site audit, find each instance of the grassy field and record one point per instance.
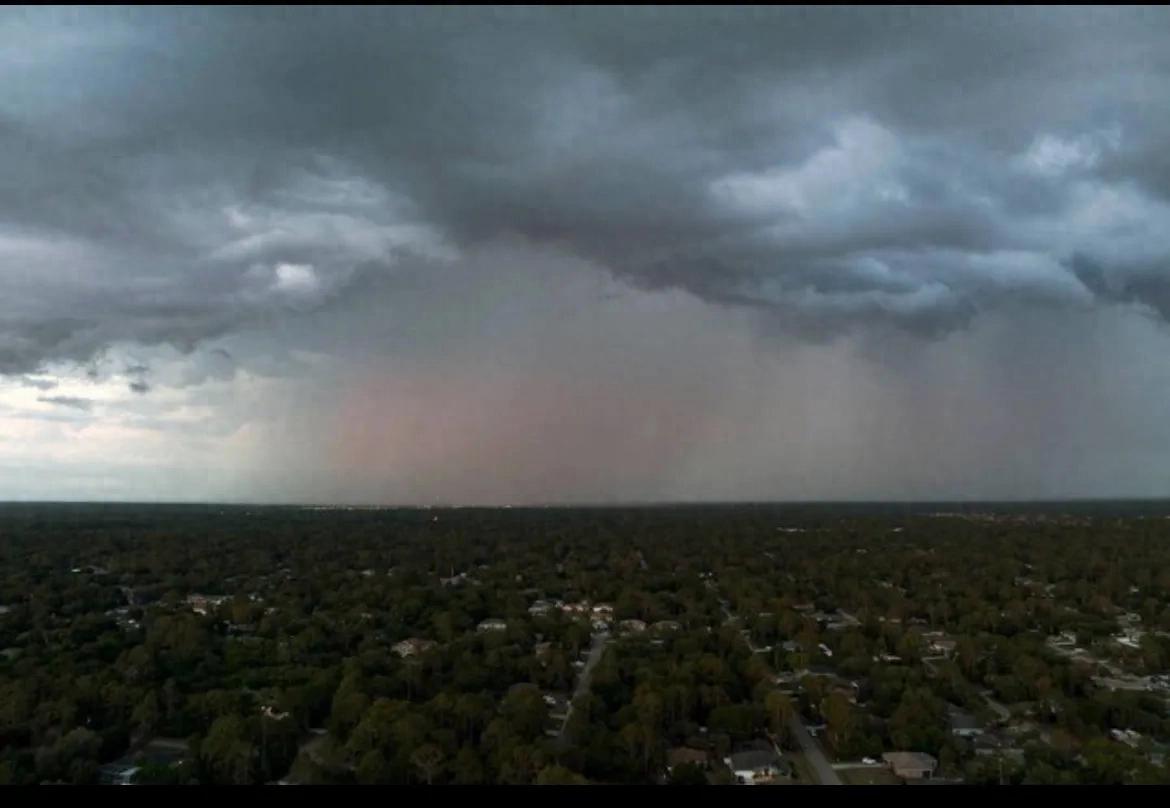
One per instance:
(868, 777)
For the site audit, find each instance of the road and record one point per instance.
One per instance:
(813, 754)
(812, 750)
(1003, 712)
(595, 653)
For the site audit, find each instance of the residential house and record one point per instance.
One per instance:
(540, 608)
(755, 766)
(492, 624)
(274, 713)
(1129, 737)
(963, 724)
(413, 646)
(118, 774)
(205, 604)
(938, 643)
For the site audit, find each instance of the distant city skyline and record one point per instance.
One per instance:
(514, 256)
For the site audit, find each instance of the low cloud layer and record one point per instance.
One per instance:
(72, 402)
(396, 199)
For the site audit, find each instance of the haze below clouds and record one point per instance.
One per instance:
(509, 256)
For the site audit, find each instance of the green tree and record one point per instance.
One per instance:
(555, 775)
(228, 752)
(428, 760)
(687, 774)
(467, 768)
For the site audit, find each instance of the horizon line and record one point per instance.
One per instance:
(596, 505)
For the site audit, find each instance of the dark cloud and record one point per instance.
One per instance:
(72, 402)
(211, 171)
(139, 386)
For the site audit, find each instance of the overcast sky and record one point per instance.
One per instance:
(509, 256)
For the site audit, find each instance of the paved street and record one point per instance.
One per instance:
(595, 653)
(813, 754)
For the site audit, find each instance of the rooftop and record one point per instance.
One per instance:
(751, 759)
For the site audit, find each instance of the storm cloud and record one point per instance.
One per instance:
(194, 199)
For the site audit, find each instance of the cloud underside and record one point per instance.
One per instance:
(172, 177)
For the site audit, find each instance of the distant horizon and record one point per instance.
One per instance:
(603, 505)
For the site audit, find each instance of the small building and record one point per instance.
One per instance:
(413, 647)
(274, 713)
(632, 626)
(755, 766)
(963, 724)
(492, 624)
(666, 625)
(911, 765)
(118, 774)
(603, 610)
(1129, 737)
(944, 647)
(205, 604)
(540, 608)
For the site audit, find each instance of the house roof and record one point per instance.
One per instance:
(753, 759)
(961, 720)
